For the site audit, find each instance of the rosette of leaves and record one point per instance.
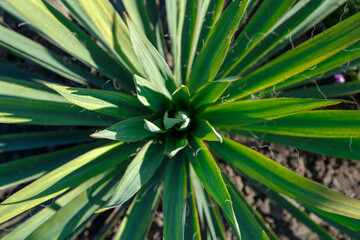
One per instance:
(155, 129)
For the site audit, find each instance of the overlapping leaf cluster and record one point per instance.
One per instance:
(165, 122)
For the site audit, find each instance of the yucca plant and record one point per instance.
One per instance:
(160, 124)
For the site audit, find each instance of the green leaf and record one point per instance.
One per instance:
(180, 18)
(284, 181)
(344, 57)
(78, 12)
(130, 130)
(204, 130)
(149, 95)
(155, 19)
(172, 22)
(181, 98)
(325, 91)
(77, 211)
(351, 233)
(46, 58)
(29, 111)
(30, 168)
(16, 87)
(113, 29)
(294, 211)
(187, 18)
(210, 92)
(255, 30)
(69, 37)
(174, 143)
(253, 111)
(303, 16)
(319, 124)
(10, 71)
(207, 15)
(66, 177)
(156, 69)
(216, 46)
(139, 15)
(137, 174)
(25, 229)
(209, 213)
(21, 141)
(136, 223)
(110, 103)
(153, 126)
(249, 226)
(299, 19)
(338, 147)
(171, 122)
(208, 172)
(192, 226)
(353, 224)
(299, 59)
(174, 198)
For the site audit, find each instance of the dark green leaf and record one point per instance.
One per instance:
(137, 174)
(192, 226)
(174, 198)
(46, 58)
(299, 59)
(149, 95)
(208, 172)
(21, 141)
(77, 211)
(30, 168)
(325, 91)
(338, 147)
(174, 143)
(66, 177)
(319, 124)
(294, 211)
(26, 111)
(210, 92)
(252, 111)
(156, 69)
(136, 223)
(255, 30)
(284, 181)
(208, 62)
(209, 213)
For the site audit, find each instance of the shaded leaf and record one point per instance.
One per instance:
(137, 174)
(66, 177)
(321, 124)
(111, 103)
(156, 69)
(34, 167)
(174, 198)
(174, 143)
(136, 223)
(208, 62)
(338, 147)
(252, 111)
(299, 59)
(129, 130)
(208, 172)
(284, 181)
(21, 141)
(149, 95)
(13, 110)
